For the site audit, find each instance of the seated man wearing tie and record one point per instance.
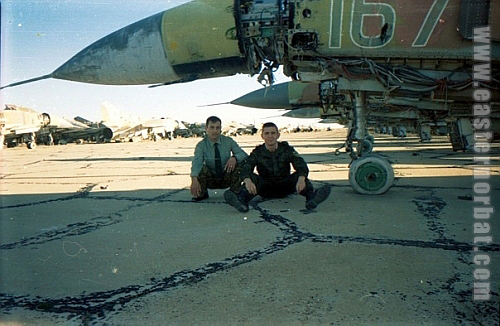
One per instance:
(216, 163)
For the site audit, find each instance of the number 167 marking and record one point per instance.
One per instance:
(361, 9)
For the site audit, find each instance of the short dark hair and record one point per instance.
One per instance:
(213, 119)
(269, 124)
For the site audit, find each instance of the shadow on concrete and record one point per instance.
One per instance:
(95, 211)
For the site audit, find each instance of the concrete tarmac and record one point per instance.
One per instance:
(106, 234)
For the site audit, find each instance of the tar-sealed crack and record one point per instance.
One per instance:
(445, 244)
(459, 291)
(81, 193)
(98, 303)
(80, 228)
(69, 230)
(92, 308)
(431, 207)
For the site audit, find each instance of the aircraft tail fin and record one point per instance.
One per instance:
(108, 112)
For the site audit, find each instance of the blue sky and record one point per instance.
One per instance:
(40, 35)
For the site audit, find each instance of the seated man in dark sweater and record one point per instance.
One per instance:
(274, 180)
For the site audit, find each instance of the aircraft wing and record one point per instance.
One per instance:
(20, 130)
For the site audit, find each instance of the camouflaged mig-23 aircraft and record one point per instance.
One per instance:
(439, 52)
(394, 114)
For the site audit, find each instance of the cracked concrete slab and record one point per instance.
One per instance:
(317, 284)
(43, 220)
(107, 234)
(131, 246)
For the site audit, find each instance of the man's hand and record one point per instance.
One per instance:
(230, 165)
(301, 184)
(195, 187)
(252, 189)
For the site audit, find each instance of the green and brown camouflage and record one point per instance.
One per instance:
(313, 40)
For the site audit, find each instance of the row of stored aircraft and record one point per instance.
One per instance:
(22, 125)
(356, 58)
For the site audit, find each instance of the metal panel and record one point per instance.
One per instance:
(473, 13)
(426, 29)
(200, 31)
(495, 20)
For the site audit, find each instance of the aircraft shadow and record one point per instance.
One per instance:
(126, 159)
(45, 224)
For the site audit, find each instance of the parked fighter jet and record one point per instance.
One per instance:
(234, 128)
(414, 49)
(62, 131)
(303, 100)
(24, 125)
(197, 129)
(127, 127)
(20, 125)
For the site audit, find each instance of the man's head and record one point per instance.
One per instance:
(213, 128)
(270, 135)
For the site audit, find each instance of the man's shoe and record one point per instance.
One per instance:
(233, 200)
(202, 197)
(319, 196)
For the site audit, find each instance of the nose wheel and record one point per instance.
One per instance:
(366, 147)
(371, 175)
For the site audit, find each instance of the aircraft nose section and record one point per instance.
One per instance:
(192, 41)
(274, 97)
(132, 55)
(289, 96)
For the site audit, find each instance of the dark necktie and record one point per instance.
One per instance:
(218, 163)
